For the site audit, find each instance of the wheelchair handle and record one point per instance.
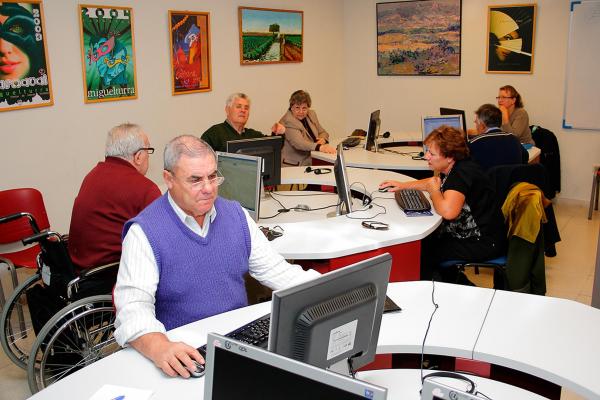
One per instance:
(38, 237)
(13, 217)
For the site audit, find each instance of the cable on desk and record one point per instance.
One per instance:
(402, 153)
(435, 308)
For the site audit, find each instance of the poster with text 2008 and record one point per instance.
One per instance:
(24, 75)
(108, 53)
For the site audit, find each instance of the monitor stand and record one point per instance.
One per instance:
(342, 367)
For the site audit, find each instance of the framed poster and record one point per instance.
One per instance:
(108, 53)
(24, 72)
(511, 36)
(270, 36)
(189, 34)
(421, 37)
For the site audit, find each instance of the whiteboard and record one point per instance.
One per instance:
(582, 83)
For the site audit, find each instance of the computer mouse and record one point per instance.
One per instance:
(302, 207)
(385, 189)
(199, 371)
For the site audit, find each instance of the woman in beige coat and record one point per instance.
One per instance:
(303, 132)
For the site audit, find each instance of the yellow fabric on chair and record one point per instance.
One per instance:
(523, 209)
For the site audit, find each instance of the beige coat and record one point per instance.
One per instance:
(298, 144)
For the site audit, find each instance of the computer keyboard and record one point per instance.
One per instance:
(255, 333)
(412, 200)
(351, 141)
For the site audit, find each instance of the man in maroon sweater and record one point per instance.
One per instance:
(113, 192)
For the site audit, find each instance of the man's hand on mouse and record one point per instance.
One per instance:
(173, 358)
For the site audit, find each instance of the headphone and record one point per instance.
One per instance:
(445, 374)
(318, 171)
(376, 225)
(419, 156)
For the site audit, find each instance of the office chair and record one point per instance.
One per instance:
(522, 269)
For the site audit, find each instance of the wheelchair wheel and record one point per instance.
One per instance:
(16, 329)
(78, 335)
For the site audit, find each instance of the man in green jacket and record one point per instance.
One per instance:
(237, 109)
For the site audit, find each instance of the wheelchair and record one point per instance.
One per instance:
(58, 320)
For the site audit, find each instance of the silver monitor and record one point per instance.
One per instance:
(433, 122)
(341, 183)
(242, 180)
(235, 370)
(335, 317)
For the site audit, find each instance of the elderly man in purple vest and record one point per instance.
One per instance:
(184, 258)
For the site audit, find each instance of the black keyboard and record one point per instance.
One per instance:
(352, 141)
(412, 200)
(255, 333)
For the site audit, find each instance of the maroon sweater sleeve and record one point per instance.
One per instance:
(112, 193)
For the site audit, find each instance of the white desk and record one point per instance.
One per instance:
(342, 240)
(405, 384)
(342, 236)
(383, 159)
(454, 328)
(552, 338)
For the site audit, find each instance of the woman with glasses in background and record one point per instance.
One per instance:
(515, 119)
(303, 132)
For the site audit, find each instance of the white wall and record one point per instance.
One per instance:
(52, 148)
(403, 99)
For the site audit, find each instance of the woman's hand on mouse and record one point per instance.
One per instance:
(392, 186)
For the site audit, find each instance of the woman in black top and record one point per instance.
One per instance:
(472, 228)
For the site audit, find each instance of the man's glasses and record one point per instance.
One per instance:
(197, 183)
(504, 97)
(150, 150)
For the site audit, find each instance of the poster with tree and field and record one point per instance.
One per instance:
(270, 36)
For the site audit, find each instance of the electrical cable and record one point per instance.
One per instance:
(436, 306)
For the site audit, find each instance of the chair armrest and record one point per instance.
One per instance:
(13, 217)
(96, 270)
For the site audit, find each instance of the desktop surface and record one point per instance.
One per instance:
(456, 330)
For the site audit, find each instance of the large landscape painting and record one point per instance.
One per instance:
(419, 37)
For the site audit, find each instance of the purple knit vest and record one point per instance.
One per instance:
(199, 277)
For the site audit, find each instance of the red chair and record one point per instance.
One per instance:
(22, 214)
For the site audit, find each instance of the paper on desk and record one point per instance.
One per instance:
(113, 392)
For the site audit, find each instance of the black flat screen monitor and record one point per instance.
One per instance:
(373, 132)
(453, 111)
(334, 317)
(341, 182)
(269, 148)
(235, 370)
(243, 176)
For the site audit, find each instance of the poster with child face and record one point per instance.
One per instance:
(24, 74)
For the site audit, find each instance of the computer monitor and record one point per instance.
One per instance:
(269, 148)
(237, 371)
(434, 122)
(334, 317)
(373, 132)
(453, 111)
(341, 182)
(242, 180)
